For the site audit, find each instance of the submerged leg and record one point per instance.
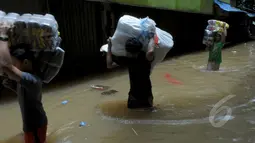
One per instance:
(213, 66)
(140, 94)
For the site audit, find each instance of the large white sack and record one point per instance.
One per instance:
(166, 43)
(132, 27)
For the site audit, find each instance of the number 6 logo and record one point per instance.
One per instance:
(217, 109)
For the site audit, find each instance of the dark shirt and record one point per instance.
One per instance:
(30, 100)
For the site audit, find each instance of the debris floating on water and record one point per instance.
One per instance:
(64, 102)
(172, 80)
(99, 87)
(237, 139)
(252, 101)
(134, 131)
(82, 124)
(234, 52)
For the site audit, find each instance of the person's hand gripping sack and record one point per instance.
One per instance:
(151, 50)
(109, 54)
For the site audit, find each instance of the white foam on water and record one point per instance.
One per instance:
(202, 68)
(155, 122)
(158, 122)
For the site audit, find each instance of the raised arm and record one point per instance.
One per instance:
(151, 49)
(6, 62)
(109, 54)
(13, 72)
(223, 37)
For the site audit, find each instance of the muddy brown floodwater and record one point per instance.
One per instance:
(184, 95)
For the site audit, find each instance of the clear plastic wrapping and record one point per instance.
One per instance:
(213, 27)
(132, 27)
(39, 31)
(50, 63)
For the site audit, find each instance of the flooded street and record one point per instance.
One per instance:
(184, 94)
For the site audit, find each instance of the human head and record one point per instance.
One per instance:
(22, 57)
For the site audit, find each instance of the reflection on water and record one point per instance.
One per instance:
(181, 113)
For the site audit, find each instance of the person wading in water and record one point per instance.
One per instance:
(139, 68)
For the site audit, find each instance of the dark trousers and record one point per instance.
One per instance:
(140, 94)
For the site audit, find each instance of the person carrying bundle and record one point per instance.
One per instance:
(135, 44)
(214, 40)
(20, 63)
(139, 68)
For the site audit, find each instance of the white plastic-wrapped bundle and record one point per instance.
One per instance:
(165, 43)
(39, 31)
(214, 26)
(208, 37)
(218, 23)
(50, 63)
(132, 27)
(10, 18)
(2, 13)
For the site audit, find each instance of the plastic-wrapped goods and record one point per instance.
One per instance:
(132, 27)
(28, 15)
(50, 63)
(218, 23)
(208, 37)
(9, 19)
(52, 18)
(2, 13)
(165, 43)
(215, 29)
(40, 31)
(214, 26)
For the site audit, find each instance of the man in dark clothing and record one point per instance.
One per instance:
(139, 68)
(29, 90)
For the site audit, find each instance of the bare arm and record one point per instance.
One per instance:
(151, 48)
(109, 54)
(13, 72)
(223, 37)
(5, 57)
